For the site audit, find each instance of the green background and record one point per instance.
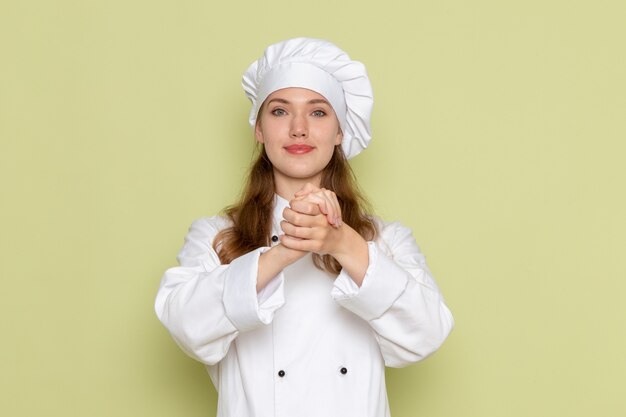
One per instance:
(499, 132)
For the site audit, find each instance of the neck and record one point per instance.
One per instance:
(288, 187)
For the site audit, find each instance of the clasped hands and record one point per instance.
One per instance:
(313, 225)
(313, 222)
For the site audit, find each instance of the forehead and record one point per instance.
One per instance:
(297, 95)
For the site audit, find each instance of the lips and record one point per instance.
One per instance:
(298, 149)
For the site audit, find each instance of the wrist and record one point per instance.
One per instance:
(350, 243)
(282, 256)
(287, 255)
(353, 254)
(272, 262)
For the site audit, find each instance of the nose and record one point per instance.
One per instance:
(298, 127)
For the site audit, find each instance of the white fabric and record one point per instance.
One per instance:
(305, 75)
(320, 66)
(304, 322)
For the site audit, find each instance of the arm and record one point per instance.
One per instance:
(391, 289)
(205, 305)
(398, 298)
(313, 224)
(272, 262)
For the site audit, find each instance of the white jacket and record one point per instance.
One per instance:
(308, 344)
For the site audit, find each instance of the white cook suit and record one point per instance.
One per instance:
(309, 344)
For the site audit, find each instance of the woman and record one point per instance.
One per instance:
(296, 300)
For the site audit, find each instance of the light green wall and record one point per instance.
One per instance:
(499, 132)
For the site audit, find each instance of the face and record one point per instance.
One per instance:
(299, 130)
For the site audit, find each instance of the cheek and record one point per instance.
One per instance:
(272, 130)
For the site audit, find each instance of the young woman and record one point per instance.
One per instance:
(297, 299)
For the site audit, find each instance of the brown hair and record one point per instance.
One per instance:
(251, 216)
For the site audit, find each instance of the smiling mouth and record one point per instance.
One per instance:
(298, 149)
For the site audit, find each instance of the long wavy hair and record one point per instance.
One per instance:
(251, 216)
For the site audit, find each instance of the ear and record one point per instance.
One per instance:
(258, 133)
(339, 137)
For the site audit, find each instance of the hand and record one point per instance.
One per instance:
(312, 233)
(325, 199)
(309, 230)
(313, 224)
(310, 219)
(310, 201)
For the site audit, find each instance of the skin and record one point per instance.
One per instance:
(313, 218)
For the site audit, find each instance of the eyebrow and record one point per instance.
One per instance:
(314, 101)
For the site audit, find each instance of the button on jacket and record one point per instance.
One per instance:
(309, 343)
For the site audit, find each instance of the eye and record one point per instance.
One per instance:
(319, 113)
(278, 112)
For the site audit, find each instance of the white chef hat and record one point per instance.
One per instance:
(320, 66)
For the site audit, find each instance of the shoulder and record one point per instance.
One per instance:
(200, 237)
(394, 238)
(208, 226)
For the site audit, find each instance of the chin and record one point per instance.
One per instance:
(300, 175)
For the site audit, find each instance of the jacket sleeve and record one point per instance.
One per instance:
(398, 297)
(204, 304)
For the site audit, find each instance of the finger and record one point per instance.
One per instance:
(328, 204)
(304, 245)
(302, 220)
(334, 208)
(291, 243)
(307, 189)
(304, 207)
(320, 200)
(296, 232)
(332, 197)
